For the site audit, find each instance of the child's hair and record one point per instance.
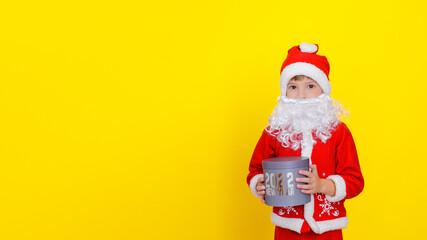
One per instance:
(299, 78)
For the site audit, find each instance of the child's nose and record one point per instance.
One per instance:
(301, 94)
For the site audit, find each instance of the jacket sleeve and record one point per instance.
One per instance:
(263, 150)
(348, 180)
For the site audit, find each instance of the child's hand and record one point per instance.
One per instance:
(260, 189)
(315, 184)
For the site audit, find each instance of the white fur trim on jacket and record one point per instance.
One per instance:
(294, 224)
(306, 69)
(334, 224)
(340, 188)
(307, 144)
(308, 215)
(252, 184)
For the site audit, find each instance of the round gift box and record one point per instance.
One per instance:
(279, 179)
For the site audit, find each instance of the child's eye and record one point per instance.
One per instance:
(292, 87)
(311, 86)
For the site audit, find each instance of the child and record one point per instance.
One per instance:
(307, 123)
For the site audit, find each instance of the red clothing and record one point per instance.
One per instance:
(336, 160)
(282, 233)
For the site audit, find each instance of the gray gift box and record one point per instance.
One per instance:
(279, 179)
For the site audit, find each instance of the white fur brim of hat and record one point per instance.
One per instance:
(306, 69)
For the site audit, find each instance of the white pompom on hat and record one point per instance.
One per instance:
(303, 60)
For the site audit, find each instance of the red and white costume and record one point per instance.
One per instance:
(336, 160)
(335, 157)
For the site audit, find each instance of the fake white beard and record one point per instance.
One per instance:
(292, 117)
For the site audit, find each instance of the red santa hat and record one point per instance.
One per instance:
(303, 60)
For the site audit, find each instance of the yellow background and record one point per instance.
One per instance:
(137, 119)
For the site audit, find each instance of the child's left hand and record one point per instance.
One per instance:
(315, 184)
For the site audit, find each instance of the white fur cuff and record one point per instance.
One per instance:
(340, 188)
(252, 184)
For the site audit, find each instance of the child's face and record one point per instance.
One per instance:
(304, 88)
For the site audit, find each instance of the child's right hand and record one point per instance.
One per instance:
(260, 189)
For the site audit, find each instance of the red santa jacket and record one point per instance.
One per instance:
(336, 160)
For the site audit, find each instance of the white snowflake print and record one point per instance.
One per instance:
(327, 207)
(288, 210)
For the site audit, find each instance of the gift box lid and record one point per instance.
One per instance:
(285, 162)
